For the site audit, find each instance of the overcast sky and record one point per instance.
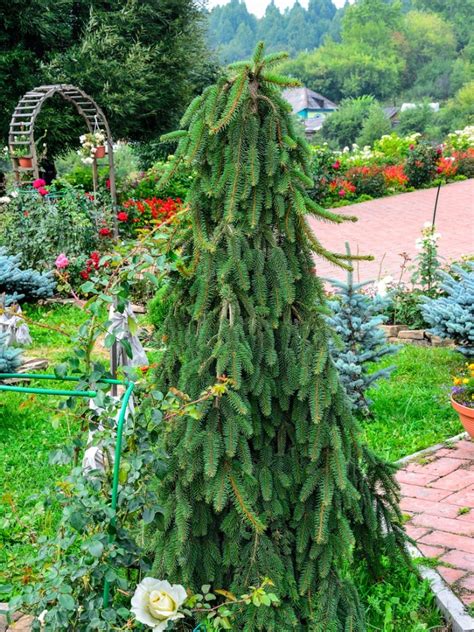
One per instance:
(258, 6)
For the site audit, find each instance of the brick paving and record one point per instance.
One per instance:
(390, 225)
(438, 500)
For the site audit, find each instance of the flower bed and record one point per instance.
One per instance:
(393, 165)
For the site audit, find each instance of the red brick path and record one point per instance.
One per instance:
(390, 225)
(438, 495)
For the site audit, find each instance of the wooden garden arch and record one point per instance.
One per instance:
(22, 127)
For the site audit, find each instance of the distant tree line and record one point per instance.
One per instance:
(391, 49)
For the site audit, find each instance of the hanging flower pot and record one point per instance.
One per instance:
(466, 416)
(25, 162)
(92, 146)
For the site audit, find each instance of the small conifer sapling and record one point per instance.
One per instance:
(359, 340)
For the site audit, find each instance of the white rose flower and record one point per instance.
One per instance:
(381, 287)
(41, 617)
(4, 199)
(14, 194)
(156, 602)
(87, 161)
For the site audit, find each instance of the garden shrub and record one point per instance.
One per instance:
(405, 308)
(145, 185)
(465, 162)
(395, 148)
(420, 166)
(271, 480)
(342, 126)
(395, 177)
(452, 316)
(368, 180)
(41, 227)
(19, 285)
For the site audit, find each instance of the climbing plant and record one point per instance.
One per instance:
(271, 479)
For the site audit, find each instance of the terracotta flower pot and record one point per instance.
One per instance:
(100, 152)
(466, 415)
(26, 163)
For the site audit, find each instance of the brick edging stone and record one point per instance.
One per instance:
(449, 604)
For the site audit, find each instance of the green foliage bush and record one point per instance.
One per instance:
(375, 125)
(342, 127)
(145, 185)
(40, 228)
(368, 180)
(420, 166)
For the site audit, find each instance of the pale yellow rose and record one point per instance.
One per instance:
(156, 602)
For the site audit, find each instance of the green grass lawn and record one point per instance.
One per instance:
(411, 412)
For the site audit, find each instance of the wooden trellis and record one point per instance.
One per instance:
(22, 127)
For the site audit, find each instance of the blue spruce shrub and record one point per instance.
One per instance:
(19, 285)
(10, 358)
(358, 339)
(452, 316)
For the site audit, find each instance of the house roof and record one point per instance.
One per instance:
(391, 112)
(306, 99)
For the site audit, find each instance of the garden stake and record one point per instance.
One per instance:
(89, 394)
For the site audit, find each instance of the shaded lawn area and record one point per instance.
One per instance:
(411, 412)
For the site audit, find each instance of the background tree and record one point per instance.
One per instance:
(141, 61)
(342, 127)
(273, 479)
(375, 125)
(415, 119)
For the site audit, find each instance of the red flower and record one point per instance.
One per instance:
(336, 165)
(107, 184)
(439, 170)
(122, 216)
(42, 191)
(25, 213)
(84, 274)
(412, 147)
(38, 183)
(90, 197)
(105, 232)
(341, 192)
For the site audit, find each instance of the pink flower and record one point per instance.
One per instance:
(42, 191)
(412, 147)
(39, 183)
(62, 261)
(336, 165)
(341, 192)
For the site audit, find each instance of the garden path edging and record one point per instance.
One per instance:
(447, 601)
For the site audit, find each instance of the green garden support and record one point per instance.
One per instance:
(129, 386)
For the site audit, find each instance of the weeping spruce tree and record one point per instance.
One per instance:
(273, 480)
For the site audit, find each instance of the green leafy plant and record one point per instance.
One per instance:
(40, 228)
(421, 163)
